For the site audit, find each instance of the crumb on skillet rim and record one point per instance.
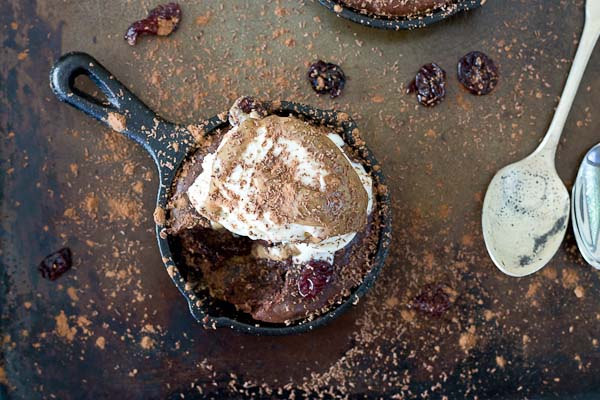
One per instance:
(348, 129)
(400, 23)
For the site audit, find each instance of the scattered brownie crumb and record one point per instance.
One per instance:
(468, 339)
(56, 264)
(159, 216)
(74, 169)
(327, 78)
(138, 187)
(392, 302)
(161, 21)
(90, 205)
(501, 361)
(147, 342)
(116, 121)
(197, 133)
(62, 327)
(202, 20)
(3, 378)
(280, 12)
(570, 278)
(101, 342)
(72, 292)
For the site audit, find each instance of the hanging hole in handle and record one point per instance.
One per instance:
(84, 86)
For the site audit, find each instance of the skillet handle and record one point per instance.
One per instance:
(123, 112)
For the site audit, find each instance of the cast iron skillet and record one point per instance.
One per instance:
(168, 144)
(400, 23)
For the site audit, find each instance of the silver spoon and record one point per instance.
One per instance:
(526, 207)
(586, 207)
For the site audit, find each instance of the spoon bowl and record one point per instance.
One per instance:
(525, 215)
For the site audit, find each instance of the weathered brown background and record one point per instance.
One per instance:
(115, 325)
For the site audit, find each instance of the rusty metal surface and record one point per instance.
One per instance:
(115, 326)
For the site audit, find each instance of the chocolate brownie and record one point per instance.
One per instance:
(396, 8)
(232, 269)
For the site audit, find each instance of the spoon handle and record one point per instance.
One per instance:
(591, 31)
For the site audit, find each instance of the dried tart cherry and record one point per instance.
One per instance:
(477, 73)
(429, 84)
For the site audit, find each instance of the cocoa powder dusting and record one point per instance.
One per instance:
(340, 210)
(124, 209)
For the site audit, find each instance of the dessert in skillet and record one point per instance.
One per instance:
(275, 216)
(396, 8)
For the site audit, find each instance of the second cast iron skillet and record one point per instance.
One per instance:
(400, 23)
(169, 144)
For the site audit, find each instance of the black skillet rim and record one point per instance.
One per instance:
(329, 117)
(399, 23)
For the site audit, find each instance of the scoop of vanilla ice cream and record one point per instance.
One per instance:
(284, 181)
